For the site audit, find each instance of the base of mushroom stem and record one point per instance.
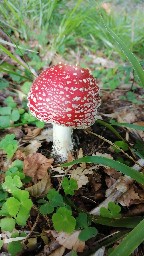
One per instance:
(62, 141)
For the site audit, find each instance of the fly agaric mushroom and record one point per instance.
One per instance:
(68, 97)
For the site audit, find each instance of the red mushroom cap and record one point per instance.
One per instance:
(65, 95)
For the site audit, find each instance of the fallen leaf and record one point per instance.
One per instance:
(31, 133)
(80, 155)
(20, 155)
(129, 197)
(32, 147)
(58, 252)
(41, 188)
(36, 166)
(80, 176)
(69, 241)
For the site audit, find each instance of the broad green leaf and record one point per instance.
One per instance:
(7, 224)
(88, 233)
(82, 220)
(14, 248)
(22, 216)
(121, 144)
(3, 84)
(13, 206)
(9, 144)
(130, 242)
(63, 220)
(4, 121)
(46, 208)
(69, 186)
(15, 115)
(55, 198)
(113, 211)
(139, 177)
(26, 87)
(5, 111)
(40, 124)
(21, 195)
(12, 183)
(10, 102)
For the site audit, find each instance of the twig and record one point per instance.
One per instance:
(32, 229)
(118, 188)
(112, 144)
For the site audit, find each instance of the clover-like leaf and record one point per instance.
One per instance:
(9, 144)
(11, 183)
(55, 198)
(63, 220)
(113, 211)
(69, 186)
(22, 216)
(14, 248)
(88, 233)
(12, 205)
(7, 224)
(46, 208)
(82, 220)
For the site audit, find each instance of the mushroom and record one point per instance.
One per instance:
(68, 97)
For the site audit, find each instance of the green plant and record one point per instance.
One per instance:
(113, 211)
(17, 208)
(83, 222)
(9, 145)
(69, 185)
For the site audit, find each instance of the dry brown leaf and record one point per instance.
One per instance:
(129, 197)
(80, 176)
(112, 173)
(32, 147)
(80, 155)
(20, 155)
(69, 241)
(36, 166)
(31, 133)
(58, 252)
(41, 188)
(103, 155)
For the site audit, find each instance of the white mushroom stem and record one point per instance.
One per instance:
(62, 141)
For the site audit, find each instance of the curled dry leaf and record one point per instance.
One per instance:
(69, 241)
(80, 176)
(36, 166)
(130, 197)
(58, 252)
(32, 147)
(41, 188)
(31, 133)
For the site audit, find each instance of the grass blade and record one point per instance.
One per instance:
(139, 177)
(131, 126)
(130, 241)
(7, 52)
(130, 56)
